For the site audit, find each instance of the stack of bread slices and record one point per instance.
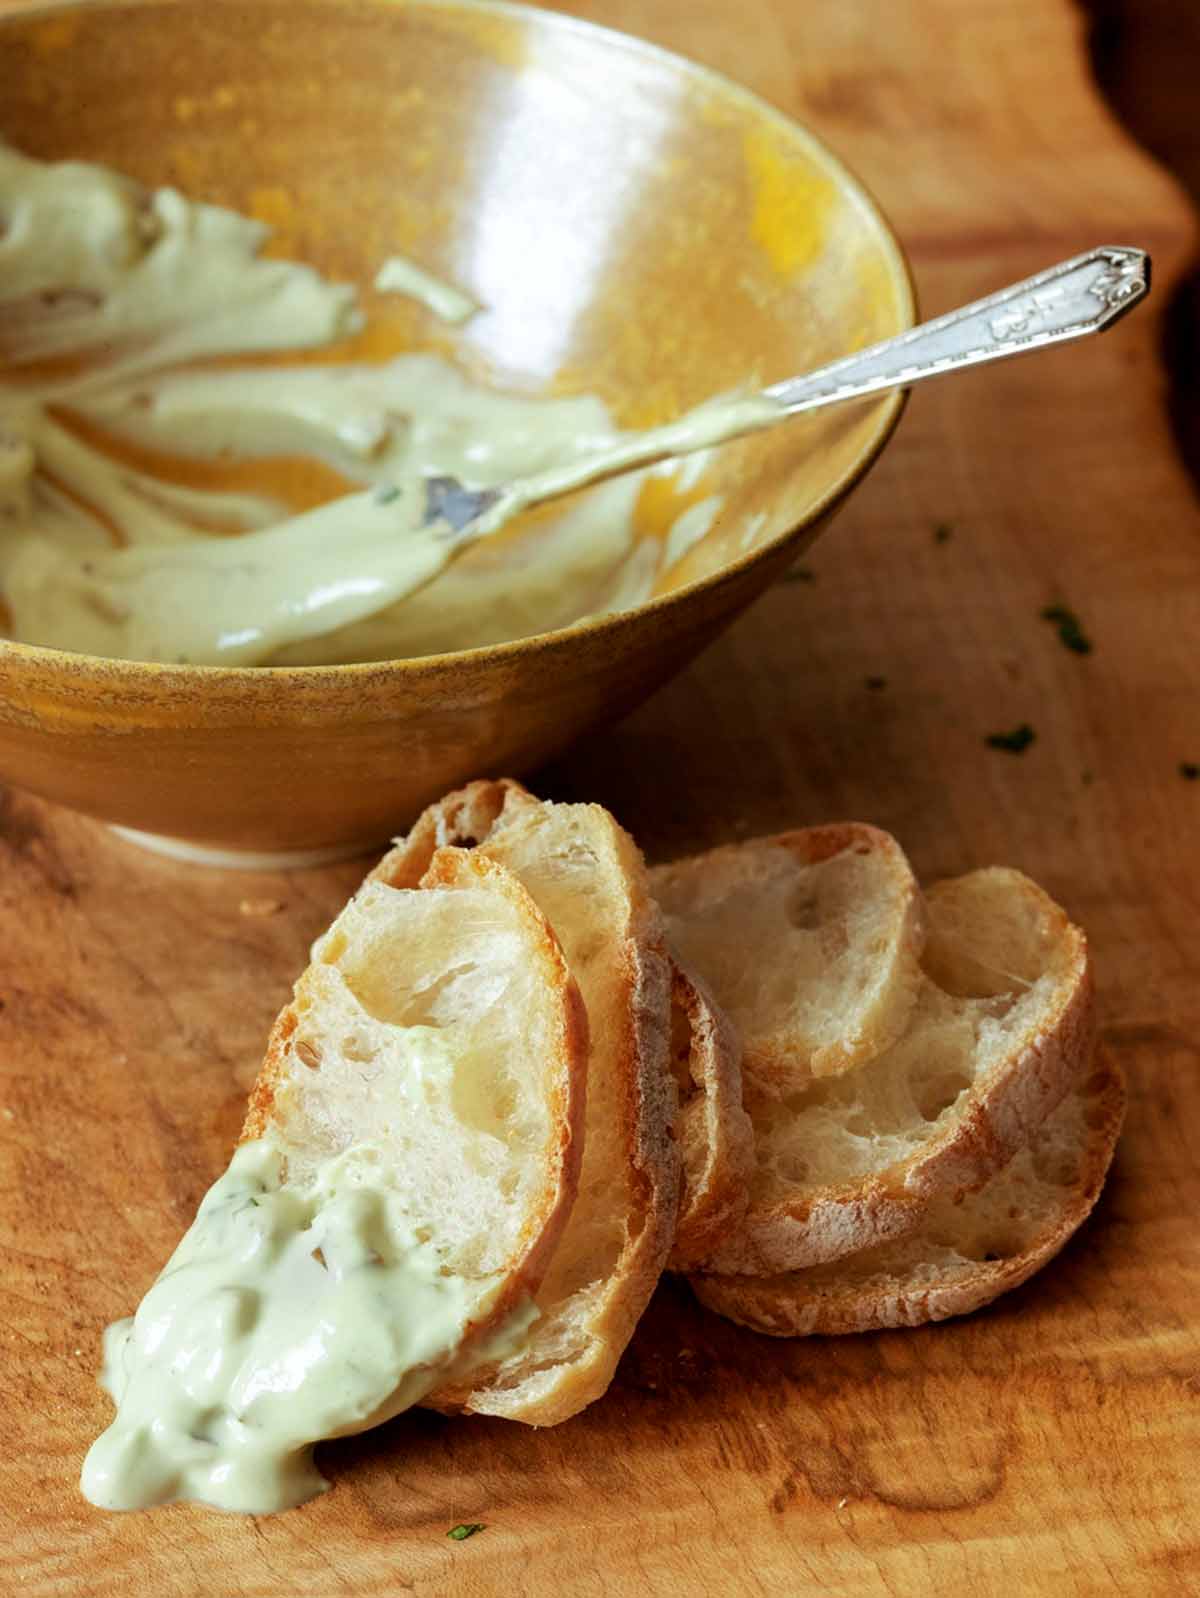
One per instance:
(836, 1102)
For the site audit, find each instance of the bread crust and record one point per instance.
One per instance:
(547, 1217)
(713, 1131)
(904, 1285)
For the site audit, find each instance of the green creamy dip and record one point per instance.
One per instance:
(288, 1313)
(107, 559)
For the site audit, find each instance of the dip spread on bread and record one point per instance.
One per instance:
(288, 1313)
(110, 294)
(408, 1163)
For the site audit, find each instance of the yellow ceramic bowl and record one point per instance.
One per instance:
(635, 226)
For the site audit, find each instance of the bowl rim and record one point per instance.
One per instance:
(889, 407)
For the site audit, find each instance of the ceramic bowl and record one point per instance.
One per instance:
(635, 226)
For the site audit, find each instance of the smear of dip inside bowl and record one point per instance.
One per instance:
(106, 552)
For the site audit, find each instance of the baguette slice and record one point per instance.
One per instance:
(966, 1254)
(443, 1027)
(587, 877)
(716, 1141)
(990, 1050)
(809, 941)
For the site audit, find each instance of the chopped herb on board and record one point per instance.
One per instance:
(1070, 634)
(799, 574)
(1015, 742)
(387, 494)
(943, 533)
(465, 1529)
(1189, 770)
(876, 684)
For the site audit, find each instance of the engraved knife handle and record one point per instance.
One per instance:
(1083, 295)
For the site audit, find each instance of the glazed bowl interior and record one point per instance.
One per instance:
(632, 226)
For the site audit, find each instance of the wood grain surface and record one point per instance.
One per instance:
(1048, 1445)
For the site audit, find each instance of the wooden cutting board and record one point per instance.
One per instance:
(1048, 1445)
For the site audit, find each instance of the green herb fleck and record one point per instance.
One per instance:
(943, 532)
(1088, 778)
(465, 1529)
(1015, 742)
(876, 684)
(1071, 635)
(800, 574)
(1189, 770)
(387, 494)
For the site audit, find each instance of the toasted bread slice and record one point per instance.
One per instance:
(809, 941)
(587, 877)
(716, 1141)
(443, 1028)
(965, 1254)
(990, 1049)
